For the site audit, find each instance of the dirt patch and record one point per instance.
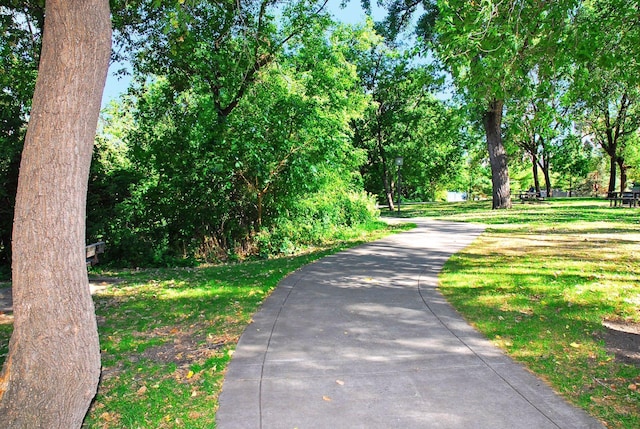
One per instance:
(183, 350)
(183, 347)
(622, 339)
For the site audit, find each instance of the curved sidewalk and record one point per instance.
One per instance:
(362, 339)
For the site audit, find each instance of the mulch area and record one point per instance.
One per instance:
(623, 340)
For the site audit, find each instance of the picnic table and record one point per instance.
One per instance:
(630, 198)
(530, 196)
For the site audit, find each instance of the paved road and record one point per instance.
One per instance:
(362, 339)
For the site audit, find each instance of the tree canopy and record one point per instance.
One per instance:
(257, 127)
(268, 104)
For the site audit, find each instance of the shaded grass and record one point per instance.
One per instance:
(539, 284)
(166, 335)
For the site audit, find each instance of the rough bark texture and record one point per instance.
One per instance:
(53, 367)
(547, 179)
(623, 173)
(612, 173)
(536, 180)
(492, 120)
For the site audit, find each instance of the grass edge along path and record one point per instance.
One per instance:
(166, 335)
(542, 282)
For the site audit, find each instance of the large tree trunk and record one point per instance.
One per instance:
(623, 173)
(612, 174)
(492, 120)
(536, 179)
(53, 367)
(547, 180)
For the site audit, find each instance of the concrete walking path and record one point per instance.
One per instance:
(362, 339)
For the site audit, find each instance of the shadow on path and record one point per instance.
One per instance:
(362, 339)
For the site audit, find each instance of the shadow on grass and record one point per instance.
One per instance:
(542, 293)
(557, 211)
(167, 334)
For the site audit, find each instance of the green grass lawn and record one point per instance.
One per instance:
(167, 335)
(542, 282)
(539, 283)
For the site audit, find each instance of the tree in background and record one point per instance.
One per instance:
(21, 25)
(489, 48)
(537, 123)
(220, 46)
(111, 176)
(612, 118)
(396, 89)
(605, 92)
(247, 163)
(404, 119)
(435, 152)
(573, 160)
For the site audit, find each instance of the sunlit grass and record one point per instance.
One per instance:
(556, 211)
(538, 283)
(541, 281)
(166, 335)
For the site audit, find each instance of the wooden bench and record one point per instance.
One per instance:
(630, 198)
(92, 252)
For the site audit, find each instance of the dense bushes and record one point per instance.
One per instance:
(316, 219)
(177, 178)
(141, 232)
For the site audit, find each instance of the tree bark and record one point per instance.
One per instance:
(623, 173)
(386, 174)
(492, 120)
(547, 178)
(53, 367)
(610, 146)
(612, 173)
(536, 179)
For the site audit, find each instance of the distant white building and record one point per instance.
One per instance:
(454, 197)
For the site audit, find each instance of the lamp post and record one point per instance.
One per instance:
(399, 161)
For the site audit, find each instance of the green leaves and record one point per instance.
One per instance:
(238, 123)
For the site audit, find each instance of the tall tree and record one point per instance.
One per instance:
(605, 90)
(241, 166)
(21, 29)
(537, 122)
(435, 151)
(220, 44)
(53, 366)
(403, 119)
(611, 119)
(489, 47)
(572, 159)
(396, 89)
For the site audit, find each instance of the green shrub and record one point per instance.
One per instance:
(321, 217)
